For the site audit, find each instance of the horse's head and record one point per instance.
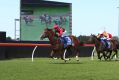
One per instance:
(47, 33)
(93, 38)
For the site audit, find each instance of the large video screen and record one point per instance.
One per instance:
(37, 15)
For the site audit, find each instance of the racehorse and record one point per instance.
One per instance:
(58, 45)
(28, 19)
(63, 20)
(99, 46)
(45, 19)
(115, 47)
(104, 50)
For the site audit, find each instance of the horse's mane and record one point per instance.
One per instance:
(95, 37)
(48, 29)
(52, 30)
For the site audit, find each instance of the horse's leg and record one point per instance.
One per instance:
(77, 55)
(51, 55)
(26, 21)
(101, 56)
(109, 56)
(98, 54)
(41, 21)
(64, 56)
(117, 54)
(114, 54)
(105, 56)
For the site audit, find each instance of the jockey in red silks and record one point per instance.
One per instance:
(109, 36)
(62, 35)
(59, 30)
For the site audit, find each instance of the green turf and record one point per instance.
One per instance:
(49, 69)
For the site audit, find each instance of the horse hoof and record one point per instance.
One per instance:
(77, 60)
(116, 59)
(55, 58)
(99, 59)
(65, 61)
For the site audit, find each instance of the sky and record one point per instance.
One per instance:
(88, 16)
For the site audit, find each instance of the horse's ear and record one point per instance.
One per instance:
(47, 28)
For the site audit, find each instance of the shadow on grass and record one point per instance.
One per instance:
(66, 63)
(108, 61)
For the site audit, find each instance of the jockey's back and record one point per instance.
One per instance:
(59, 30)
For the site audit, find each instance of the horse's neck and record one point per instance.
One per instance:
(53, 39)
(96, 42)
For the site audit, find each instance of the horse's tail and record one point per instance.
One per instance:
(117, 45)
(116, 42)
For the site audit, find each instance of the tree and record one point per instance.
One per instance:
(8, 38)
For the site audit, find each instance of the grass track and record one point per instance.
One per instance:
(49, 69)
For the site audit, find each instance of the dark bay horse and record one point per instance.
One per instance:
(45, 19)
(28, 19)
(58, 46)
(106, 52)
(115, 47)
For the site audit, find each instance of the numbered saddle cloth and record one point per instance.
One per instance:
(66, 41)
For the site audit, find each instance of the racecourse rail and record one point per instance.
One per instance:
(42, 45)
(33, 44)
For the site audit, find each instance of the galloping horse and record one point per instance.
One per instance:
(58, 45)
(63, 20)
(104, 50)
(45, 19)
(28, 19)
(115, 47)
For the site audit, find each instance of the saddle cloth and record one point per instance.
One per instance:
(106, 43)
(66, 41)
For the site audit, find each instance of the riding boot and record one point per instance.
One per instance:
(65, 45)
(65, 41)
(106, 43)
(103, 42)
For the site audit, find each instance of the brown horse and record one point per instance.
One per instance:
(58, 46)
(106, 52)
(115, 47)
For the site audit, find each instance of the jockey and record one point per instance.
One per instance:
(57, 21)
(105, 38)
(108, 38)
(101, 37)
(59, 30)
(62, 34)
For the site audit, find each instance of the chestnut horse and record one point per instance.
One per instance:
(58, 46)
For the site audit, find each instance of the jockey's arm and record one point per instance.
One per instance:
(60, 33)
(98, 36)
